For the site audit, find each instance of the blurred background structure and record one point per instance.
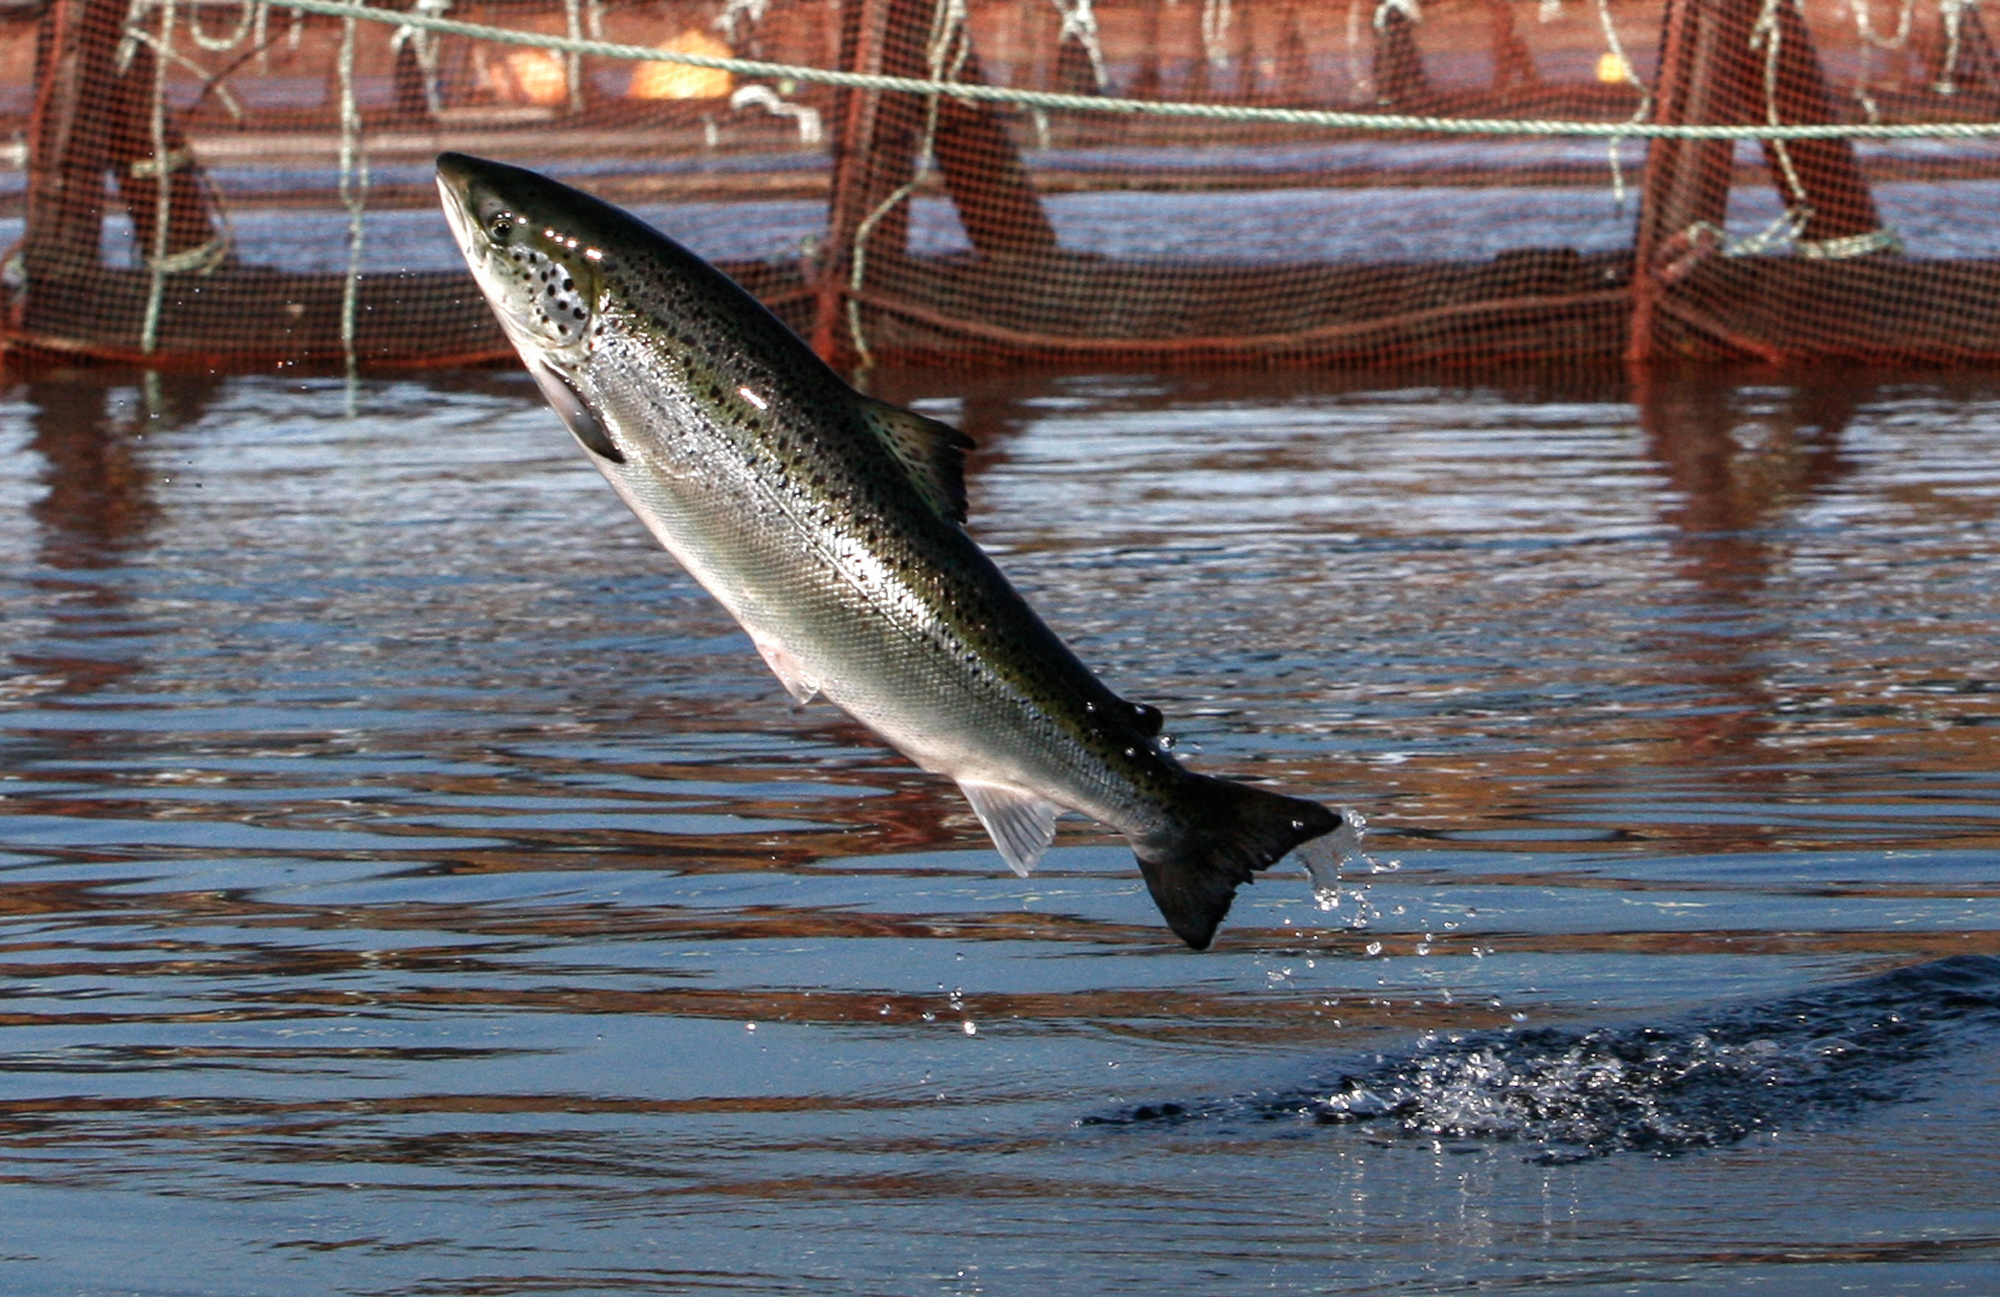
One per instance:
(240, 184)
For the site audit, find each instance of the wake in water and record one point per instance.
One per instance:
(1711, 1080)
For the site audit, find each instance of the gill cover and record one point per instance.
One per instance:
(548, 282)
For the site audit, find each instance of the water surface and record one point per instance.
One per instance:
(411, 884)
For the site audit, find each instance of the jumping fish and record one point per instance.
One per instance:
(829, 525)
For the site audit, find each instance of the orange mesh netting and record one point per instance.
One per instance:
(230, 182)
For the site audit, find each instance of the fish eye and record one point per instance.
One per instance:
(501, 225)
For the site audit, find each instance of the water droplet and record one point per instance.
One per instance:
(971, 1028)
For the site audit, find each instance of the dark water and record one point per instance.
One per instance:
(411, 884)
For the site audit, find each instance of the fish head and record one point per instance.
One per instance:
(537, 250)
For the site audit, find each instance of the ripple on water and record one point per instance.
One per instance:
(411, 884)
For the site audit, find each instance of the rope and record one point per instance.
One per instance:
(1952, 12)
(222, 45)
(1052, 101)
(1215, 32)
(423, 47)
(1080, 20)
(354, 196)
(162, 232)
(946, 52)
(1767, 35)
(1631, 75)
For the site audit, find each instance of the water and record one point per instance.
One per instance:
(411, 884)
(1271, 227)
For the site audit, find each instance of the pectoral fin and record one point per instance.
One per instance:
(1021, 823)
(575, 413)
(790, 671)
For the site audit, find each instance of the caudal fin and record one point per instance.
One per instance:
(1230, 832)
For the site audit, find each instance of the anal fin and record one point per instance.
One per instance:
(1021, 823)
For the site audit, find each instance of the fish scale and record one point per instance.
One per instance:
(828, 524)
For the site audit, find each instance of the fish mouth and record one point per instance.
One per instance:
(459, 193)
(457, 170)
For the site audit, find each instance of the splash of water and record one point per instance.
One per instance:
(1708, 1081)
(1324, 859)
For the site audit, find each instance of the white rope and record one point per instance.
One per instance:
(1864, 27)
(135, 36)
(1080, 20)
(201, 258)
(354, 195)
(1952, 12)
(1767, 34)
(245, 19)
(1360, 73)
(163, 210)
(747, 12)
(1056, 102)
(1784, 233)
(946, 52)
(1639, 114)
(1408, 8)
(1215, 32)
(424, 47)
(1853, 245)
(1798, 201)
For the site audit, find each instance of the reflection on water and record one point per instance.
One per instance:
(1733, 484)
(410, 883)
(96, 505)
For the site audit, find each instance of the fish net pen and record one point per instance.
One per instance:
(240, 184)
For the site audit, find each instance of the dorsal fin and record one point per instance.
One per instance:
(933, 453)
